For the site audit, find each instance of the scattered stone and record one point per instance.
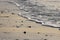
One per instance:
(17, 39)
(12, 13)
(38, 32)
(46, 35)
(2, 11)
(45, 39)
(29, 26)
(22, 21)
(24, 32)
(17, 26)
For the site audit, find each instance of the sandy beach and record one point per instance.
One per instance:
(15, 27)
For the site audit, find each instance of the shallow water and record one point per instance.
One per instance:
(38, 13)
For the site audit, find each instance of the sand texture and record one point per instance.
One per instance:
(13, 26)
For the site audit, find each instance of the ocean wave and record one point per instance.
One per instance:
(38, 13)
